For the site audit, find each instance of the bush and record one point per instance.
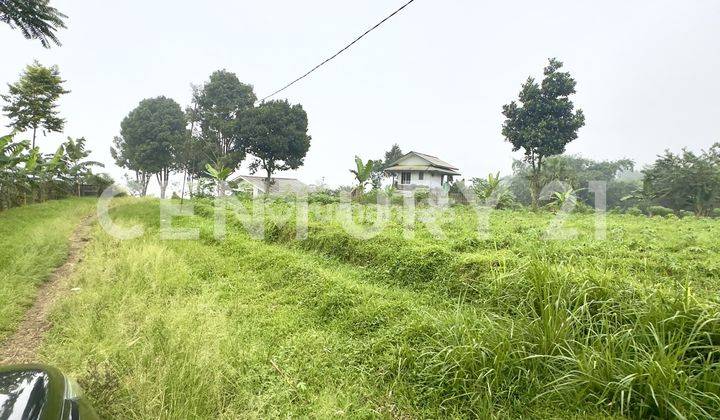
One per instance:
(322, 198)
(659, 211)
(634, 211)
(422, 196)
(685, 213)
(716, 212)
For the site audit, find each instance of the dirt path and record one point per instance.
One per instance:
(21, 346)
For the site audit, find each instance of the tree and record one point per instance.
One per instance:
(393, 154)
(276, 136)
(363, 173)
(217, 110)
(380, 165)
(151, 136)
(36, 19)
(32, 100)
(126, 157)
(577, 172)
(686, 181)
(545, 122)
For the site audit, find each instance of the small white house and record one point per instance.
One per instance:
(278, 186)
(415, 170)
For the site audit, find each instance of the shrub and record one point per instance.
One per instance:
(685, 213)
(422, 196)
(634, 211)
(322, 198)
(716, 212)
(659, 211)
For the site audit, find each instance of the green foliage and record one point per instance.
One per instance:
(32, 100)
(36, 19)
(716, 212)
(28, 176)
(685, 213)
(493, 191)
(322, 198)
(634, 211)
(276, 136)
(686, 181)
(363, 172)
(578, 172)
(152, 135)
(659, 211)
(217, 110)
(545, 122)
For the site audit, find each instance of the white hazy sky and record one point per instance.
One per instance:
(433, 79)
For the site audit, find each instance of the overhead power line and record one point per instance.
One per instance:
(341, 51)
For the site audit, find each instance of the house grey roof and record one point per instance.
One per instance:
(277, 185)
(434, 163)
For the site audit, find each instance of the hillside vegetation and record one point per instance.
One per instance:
(512, 325)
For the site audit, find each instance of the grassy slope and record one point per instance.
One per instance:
(240, 328)
(33, 241)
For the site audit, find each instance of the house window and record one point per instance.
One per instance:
(405, 178)
(421, 176)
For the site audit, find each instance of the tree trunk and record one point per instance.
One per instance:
(268, 180)
(33, 140)
(162, 178)
(535, 186)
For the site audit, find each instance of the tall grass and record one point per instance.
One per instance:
(455, 328)
(33, 241)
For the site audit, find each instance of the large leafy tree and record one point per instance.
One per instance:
(276, 136)
(686, 181)
(217, 110)
(544, 122)
(151, 136)
(32, 100)
(36, 19)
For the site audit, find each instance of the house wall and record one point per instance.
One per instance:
(430, 180)
(413, 160)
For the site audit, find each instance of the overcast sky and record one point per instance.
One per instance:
(433, 79)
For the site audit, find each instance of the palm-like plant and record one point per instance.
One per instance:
(77, 168)
(363, 174)
(36, 19)
(492, 191)
(220, 174)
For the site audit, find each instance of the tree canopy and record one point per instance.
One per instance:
(151, 135)
(686, 181)
(32, 100)
(276, 136)
(545, 122)
(36, 19)
(217, 110)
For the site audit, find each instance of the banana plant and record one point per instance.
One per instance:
(363, 173)
(220, 174)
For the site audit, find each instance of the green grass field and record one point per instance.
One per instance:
(33, 241)
(511, 325)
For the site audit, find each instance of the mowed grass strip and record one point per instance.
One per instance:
(240, 328)
(33, 241)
